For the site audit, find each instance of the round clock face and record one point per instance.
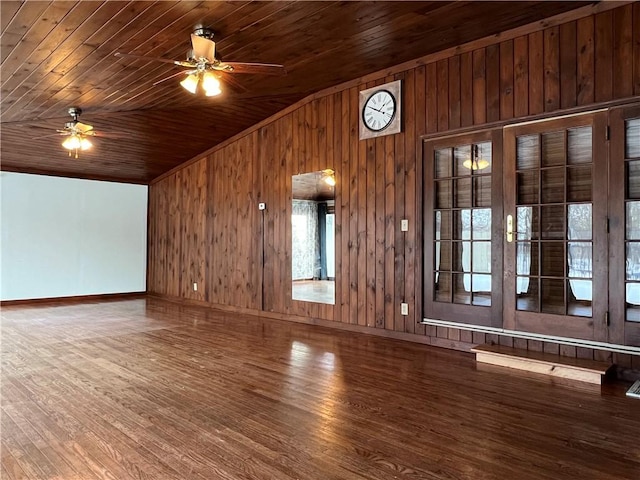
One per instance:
(379, 110)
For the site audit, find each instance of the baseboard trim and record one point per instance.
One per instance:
(101, 297)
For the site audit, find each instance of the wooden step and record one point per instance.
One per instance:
(579, 369)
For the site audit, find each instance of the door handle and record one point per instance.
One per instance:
(510, 230)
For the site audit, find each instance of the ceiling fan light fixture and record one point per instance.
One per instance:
(73, 142)
(210, 84)
(85, 144)
(190, 84)
(476, 162)
(329, 177)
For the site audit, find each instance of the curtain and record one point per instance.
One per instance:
(305, 258)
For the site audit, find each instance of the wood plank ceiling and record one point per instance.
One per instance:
(59, 54)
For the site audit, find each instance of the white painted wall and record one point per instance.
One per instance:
(65, 237)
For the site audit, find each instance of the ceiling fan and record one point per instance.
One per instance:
(76, 133)
(203, 66)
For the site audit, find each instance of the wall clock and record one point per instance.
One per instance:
(380, 110)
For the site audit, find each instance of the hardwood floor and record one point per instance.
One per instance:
(146, 389)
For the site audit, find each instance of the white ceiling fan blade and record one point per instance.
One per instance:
(203, 48)
(83, 127)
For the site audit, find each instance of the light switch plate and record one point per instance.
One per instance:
(404, 225)
(404, 309)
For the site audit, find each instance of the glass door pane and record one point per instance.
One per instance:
(459, 245)
(554, 270)
(550, 199)
(632, 218)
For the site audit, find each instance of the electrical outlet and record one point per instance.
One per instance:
(404, 309)
(195, 287)
(404, 225)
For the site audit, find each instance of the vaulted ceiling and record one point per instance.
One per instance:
(57, 54)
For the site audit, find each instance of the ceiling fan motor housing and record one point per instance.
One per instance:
(75, 113)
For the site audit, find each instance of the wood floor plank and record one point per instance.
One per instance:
(147, 389)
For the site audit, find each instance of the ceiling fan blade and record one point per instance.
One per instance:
(180, 63)
(83, 127)
(203, 48)
(261, 68)
(47, 136)
(234, 83)
(111, 135)
(184, 72)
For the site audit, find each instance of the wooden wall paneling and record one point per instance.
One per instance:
(247, 251)
(379, 233)
(410, 155)
(551, 69)
(636, 48)
(256, 194)
(431, 87)
(193, 229)
(398, 271)
(466, 91)
(266, 159)
(568, 351)
(225, 206)
(336, 165)
(370, 231)
(492, 65)
(521, 76)
(353, 205)
(344, 296)
(479, 86)
(365, 150)
(334, 115)
(389, 232)
(506, 80)
(552, 348)
(157, 280)
(174, 235)
(282, 268)
(236, 225)
(443, 94)
(216, 227)
(585, 61)
(210, 250)
(454, 92)
(415, 204)
(275, 215)
(623, 51)
(294, 169)
(536, 73)
(603, 56)
(568, 65)
(377, 266)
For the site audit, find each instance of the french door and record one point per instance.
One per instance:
(555, 239)
(624, 215)
(462, 236)
(535, 227)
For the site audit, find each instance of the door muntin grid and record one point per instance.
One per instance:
(554, 231)
(462, 224)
